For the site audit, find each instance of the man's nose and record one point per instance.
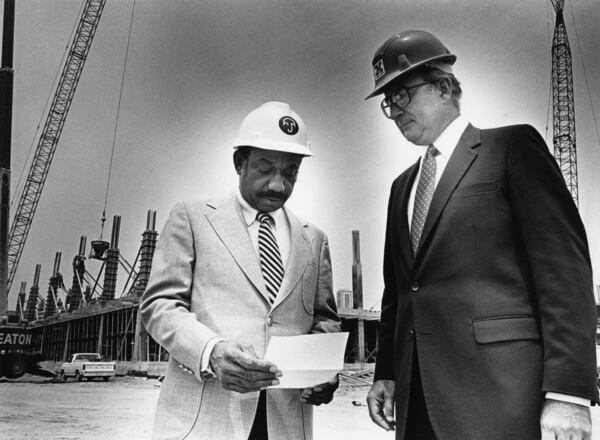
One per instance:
(276, 183)
(396, 111)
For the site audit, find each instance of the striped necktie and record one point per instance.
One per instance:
(423, 197)
(270, 258)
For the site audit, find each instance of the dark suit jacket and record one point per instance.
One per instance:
(498, 297)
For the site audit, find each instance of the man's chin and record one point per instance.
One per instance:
(270, 205)
(404, 129)
(409, 135)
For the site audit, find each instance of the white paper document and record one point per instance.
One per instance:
(307, 360)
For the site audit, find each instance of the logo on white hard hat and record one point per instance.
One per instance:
(288, 125)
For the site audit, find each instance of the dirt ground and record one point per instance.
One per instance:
(38, 408)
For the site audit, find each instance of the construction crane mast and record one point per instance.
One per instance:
(563, 103)
(57, 114)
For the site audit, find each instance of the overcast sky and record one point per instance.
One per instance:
(196, 68)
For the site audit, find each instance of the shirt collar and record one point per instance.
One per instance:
(249, 213)
(448, 140)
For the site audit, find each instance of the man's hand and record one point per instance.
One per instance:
(239, 369)
(322, 393)
(380, 401)
(565, 421)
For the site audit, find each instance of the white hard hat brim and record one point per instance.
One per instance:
(286, 147)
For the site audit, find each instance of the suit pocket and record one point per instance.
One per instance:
(309, 287)
(505, 328)
(477, 188)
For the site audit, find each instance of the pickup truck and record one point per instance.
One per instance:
(88, 366)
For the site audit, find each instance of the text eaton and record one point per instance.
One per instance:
(14, 338)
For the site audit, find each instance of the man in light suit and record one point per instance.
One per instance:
(488, 319)
(226, 277)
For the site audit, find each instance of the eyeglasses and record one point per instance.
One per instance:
(399, 98)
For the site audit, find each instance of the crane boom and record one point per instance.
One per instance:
(57, 114)
(563, 104)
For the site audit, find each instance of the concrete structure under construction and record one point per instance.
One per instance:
(94, 320)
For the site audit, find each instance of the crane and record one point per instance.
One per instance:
(57, 114)
(563, 107)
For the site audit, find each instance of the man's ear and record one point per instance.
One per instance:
(238, 162)
(445, 87)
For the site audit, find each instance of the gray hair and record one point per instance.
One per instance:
(434, 75)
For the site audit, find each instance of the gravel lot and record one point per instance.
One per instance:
(38, 408)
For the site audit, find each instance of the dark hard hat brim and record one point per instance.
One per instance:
(380, 88)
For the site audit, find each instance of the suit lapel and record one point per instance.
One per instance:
(459, 163)
(298, 258)
(228, 223)
(402, 215)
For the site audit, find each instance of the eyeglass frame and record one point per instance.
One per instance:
(396, 100)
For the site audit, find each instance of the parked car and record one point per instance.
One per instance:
(88, 366)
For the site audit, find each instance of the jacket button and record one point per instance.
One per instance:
(411, 331)
(270, 320)
(415, 286)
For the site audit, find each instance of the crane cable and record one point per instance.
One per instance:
(587, 84)
(117, 121)
(44, 111)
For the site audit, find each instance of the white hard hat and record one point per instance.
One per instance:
(274, 126)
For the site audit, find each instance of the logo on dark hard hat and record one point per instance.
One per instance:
(288, 125)
(378, 69)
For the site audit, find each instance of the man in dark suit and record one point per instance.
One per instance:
(488, 319)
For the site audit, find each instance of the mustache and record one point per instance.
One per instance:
(273, 195)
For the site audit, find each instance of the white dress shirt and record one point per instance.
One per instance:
(445, 144)
(281, 228)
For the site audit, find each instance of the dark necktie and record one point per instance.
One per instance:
(270, 257)
(423, 196)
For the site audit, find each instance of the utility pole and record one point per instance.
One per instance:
(6, 94)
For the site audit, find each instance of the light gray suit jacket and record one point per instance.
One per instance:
(206, 281)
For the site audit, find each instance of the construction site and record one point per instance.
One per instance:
(89, 301)
(93, 319)
(88, 314)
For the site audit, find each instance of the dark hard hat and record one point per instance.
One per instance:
(403, 53)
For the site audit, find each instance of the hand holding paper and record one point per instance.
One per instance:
(239, 369)
(322, 393)
(307, 360)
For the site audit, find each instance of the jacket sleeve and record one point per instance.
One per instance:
(384, 363)
(165, 304)
(557, 252)
(325, 319)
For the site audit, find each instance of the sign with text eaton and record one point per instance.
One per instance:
(14, 338)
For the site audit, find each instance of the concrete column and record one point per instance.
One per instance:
(66, 347)
(140, 341)
(357, 296)
(100, 329)
(112, 262)
(33, 295)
